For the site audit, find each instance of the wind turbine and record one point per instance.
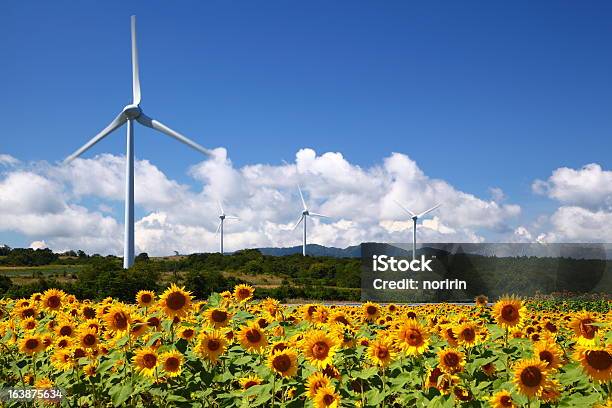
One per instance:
(304, 218)
(222, 218)
(129, 114)
(415, 218)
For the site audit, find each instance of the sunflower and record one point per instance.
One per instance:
(319, 348)
(315, 381)
(411, 337)
(549, 352)
(308, 312)
(320, 315)
(381, 351)
(187, 333)
(551, 391)
(326, 397)
(249, 381)
(243, 293)
(449, 335)
(64, 327)
(52, 299)
(118, 319)
(451, 361)
(88, 338)
(371, 311)
(138, 327)
(481, 300)
(284, 362)
(31, 344)
(339, 317)
(530, 376)
(171, 362)
(582, 325)
(252, 337)
(217, 317)
(146, 361)
(90, 370)
(467, 334)
(28, 324)
(502, 399)
(64, 342)
(62, 360)
(211, 345)
(596, 361)
(509, 311)
(175, 301)
(145, 298)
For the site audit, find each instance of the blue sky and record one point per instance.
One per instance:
(480, 94)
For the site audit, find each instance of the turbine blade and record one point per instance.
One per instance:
(116, 123)
(404, 208)
(154, 124)
(221, 207)
(318, 215)
(302, 197)
(135, 67)
(428, 211)
(231, 217)
(218, 227)
(298, 222)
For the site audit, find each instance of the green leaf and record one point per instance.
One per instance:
(120, 393)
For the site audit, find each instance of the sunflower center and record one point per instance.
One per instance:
(383, 352)
(120, 320)
(531, 376)
(328, 399)
(244, 293)
(547, 356)
(279, 347)
(253, 336)
(30, 325)
(171, 364)
(66, 331)
(342, 319)
(509, 313)
(468, 334)
(219, 316)
(451, 359)
(450, 334)
(551, 327)
(506, 401)
(28, 312)
(414, 337)
(79, 353)
(53, 302)
(32, 344)
(282, 363)
(89, 313)
(599, 359)
(89, 339)
(149, 360)
(320, 350)
(153, 322)
(587, 329)
(176, 301)
(145, 298)
(249, 384)
(188, 333)
(213, 344)
(62, 343)
(371, 310)
(411, 315)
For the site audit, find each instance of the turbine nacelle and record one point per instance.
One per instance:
(132, 111)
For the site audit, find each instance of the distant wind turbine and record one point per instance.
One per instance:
(415, 218)
(222, 218)
(129, 114)
(304, 218)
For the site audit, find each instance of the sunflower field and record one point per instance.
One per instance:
(231, 351)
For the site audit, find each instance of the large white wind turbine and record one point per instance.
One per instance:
(304, 218)
(415, 218)
(222, 218)
(129, 114)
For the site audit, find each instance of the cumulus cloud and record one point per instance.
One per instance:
(38, 245)
(8, 160)
(585, 213)
(54, 203)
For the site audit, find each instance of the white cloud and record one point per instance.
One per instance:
(8, 160)
(38, 245)
(589, 187)
(54, 203)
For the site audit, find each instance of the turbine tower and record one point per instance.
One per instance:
(415, 218)
(304, 218)
(222, 218)
(129, 114)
